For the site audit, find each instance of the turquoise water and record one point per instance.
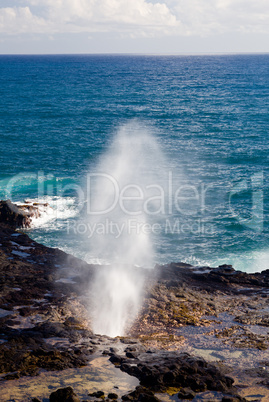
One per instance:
(209, 115)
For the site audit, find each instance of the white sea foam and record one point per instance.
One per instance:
(250, 262)
(52, 209)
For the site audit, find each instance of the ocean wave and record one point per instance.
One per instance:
(52, 210)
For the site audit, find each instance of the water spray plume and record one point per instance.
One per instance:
(117, 211)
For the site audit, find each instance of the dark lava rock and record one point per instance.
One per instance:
(186, 393)
(64, 395)
(210, 279)
(231, 398)
(25, 356)
(131, 355)
(182, 294)
(25, 311)
(116, 359)
(12, 376)
(97, 394)
(253, 319)
(162, 370)
(52, 329)
(112, 396)
(16, 216)
(128, 340)
(57, 360)
(141, 394)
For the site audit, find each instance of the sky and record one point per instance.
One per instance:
(134, 26)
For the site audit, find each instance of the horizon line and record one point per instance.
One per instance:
(140, 54)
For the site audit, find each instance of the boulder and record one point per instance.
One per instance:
(64, 395)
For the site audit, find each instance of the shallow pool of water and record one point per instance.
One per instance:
(100, 374)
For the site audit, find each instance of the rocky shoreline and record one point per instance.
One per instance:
(202, 333)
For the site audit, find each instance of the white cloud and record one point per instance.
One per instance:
(137, 17)
(204, 17)
(20, 20)
(53, 16)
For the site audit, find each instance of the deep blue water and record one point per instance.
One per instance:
(209, 114)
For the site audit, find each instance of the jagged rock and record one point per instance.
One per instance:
(186, 393)
(253, 319)
(141, 394)
(116, 359)
(176, 295)
(17, 216)
(233, 398)
(64, 395)
(131, 355)
(97, 394)
(163, 370)
(112, 396)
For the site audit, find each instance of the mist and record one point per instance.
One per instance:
(122, 205)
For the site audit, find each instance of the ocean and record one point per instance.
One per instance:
(195, 128)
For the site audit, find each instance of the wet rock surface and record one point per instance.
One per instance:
(64, 395)
(163, 370)
(35, 310)
(18, 216)
(198, 327)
